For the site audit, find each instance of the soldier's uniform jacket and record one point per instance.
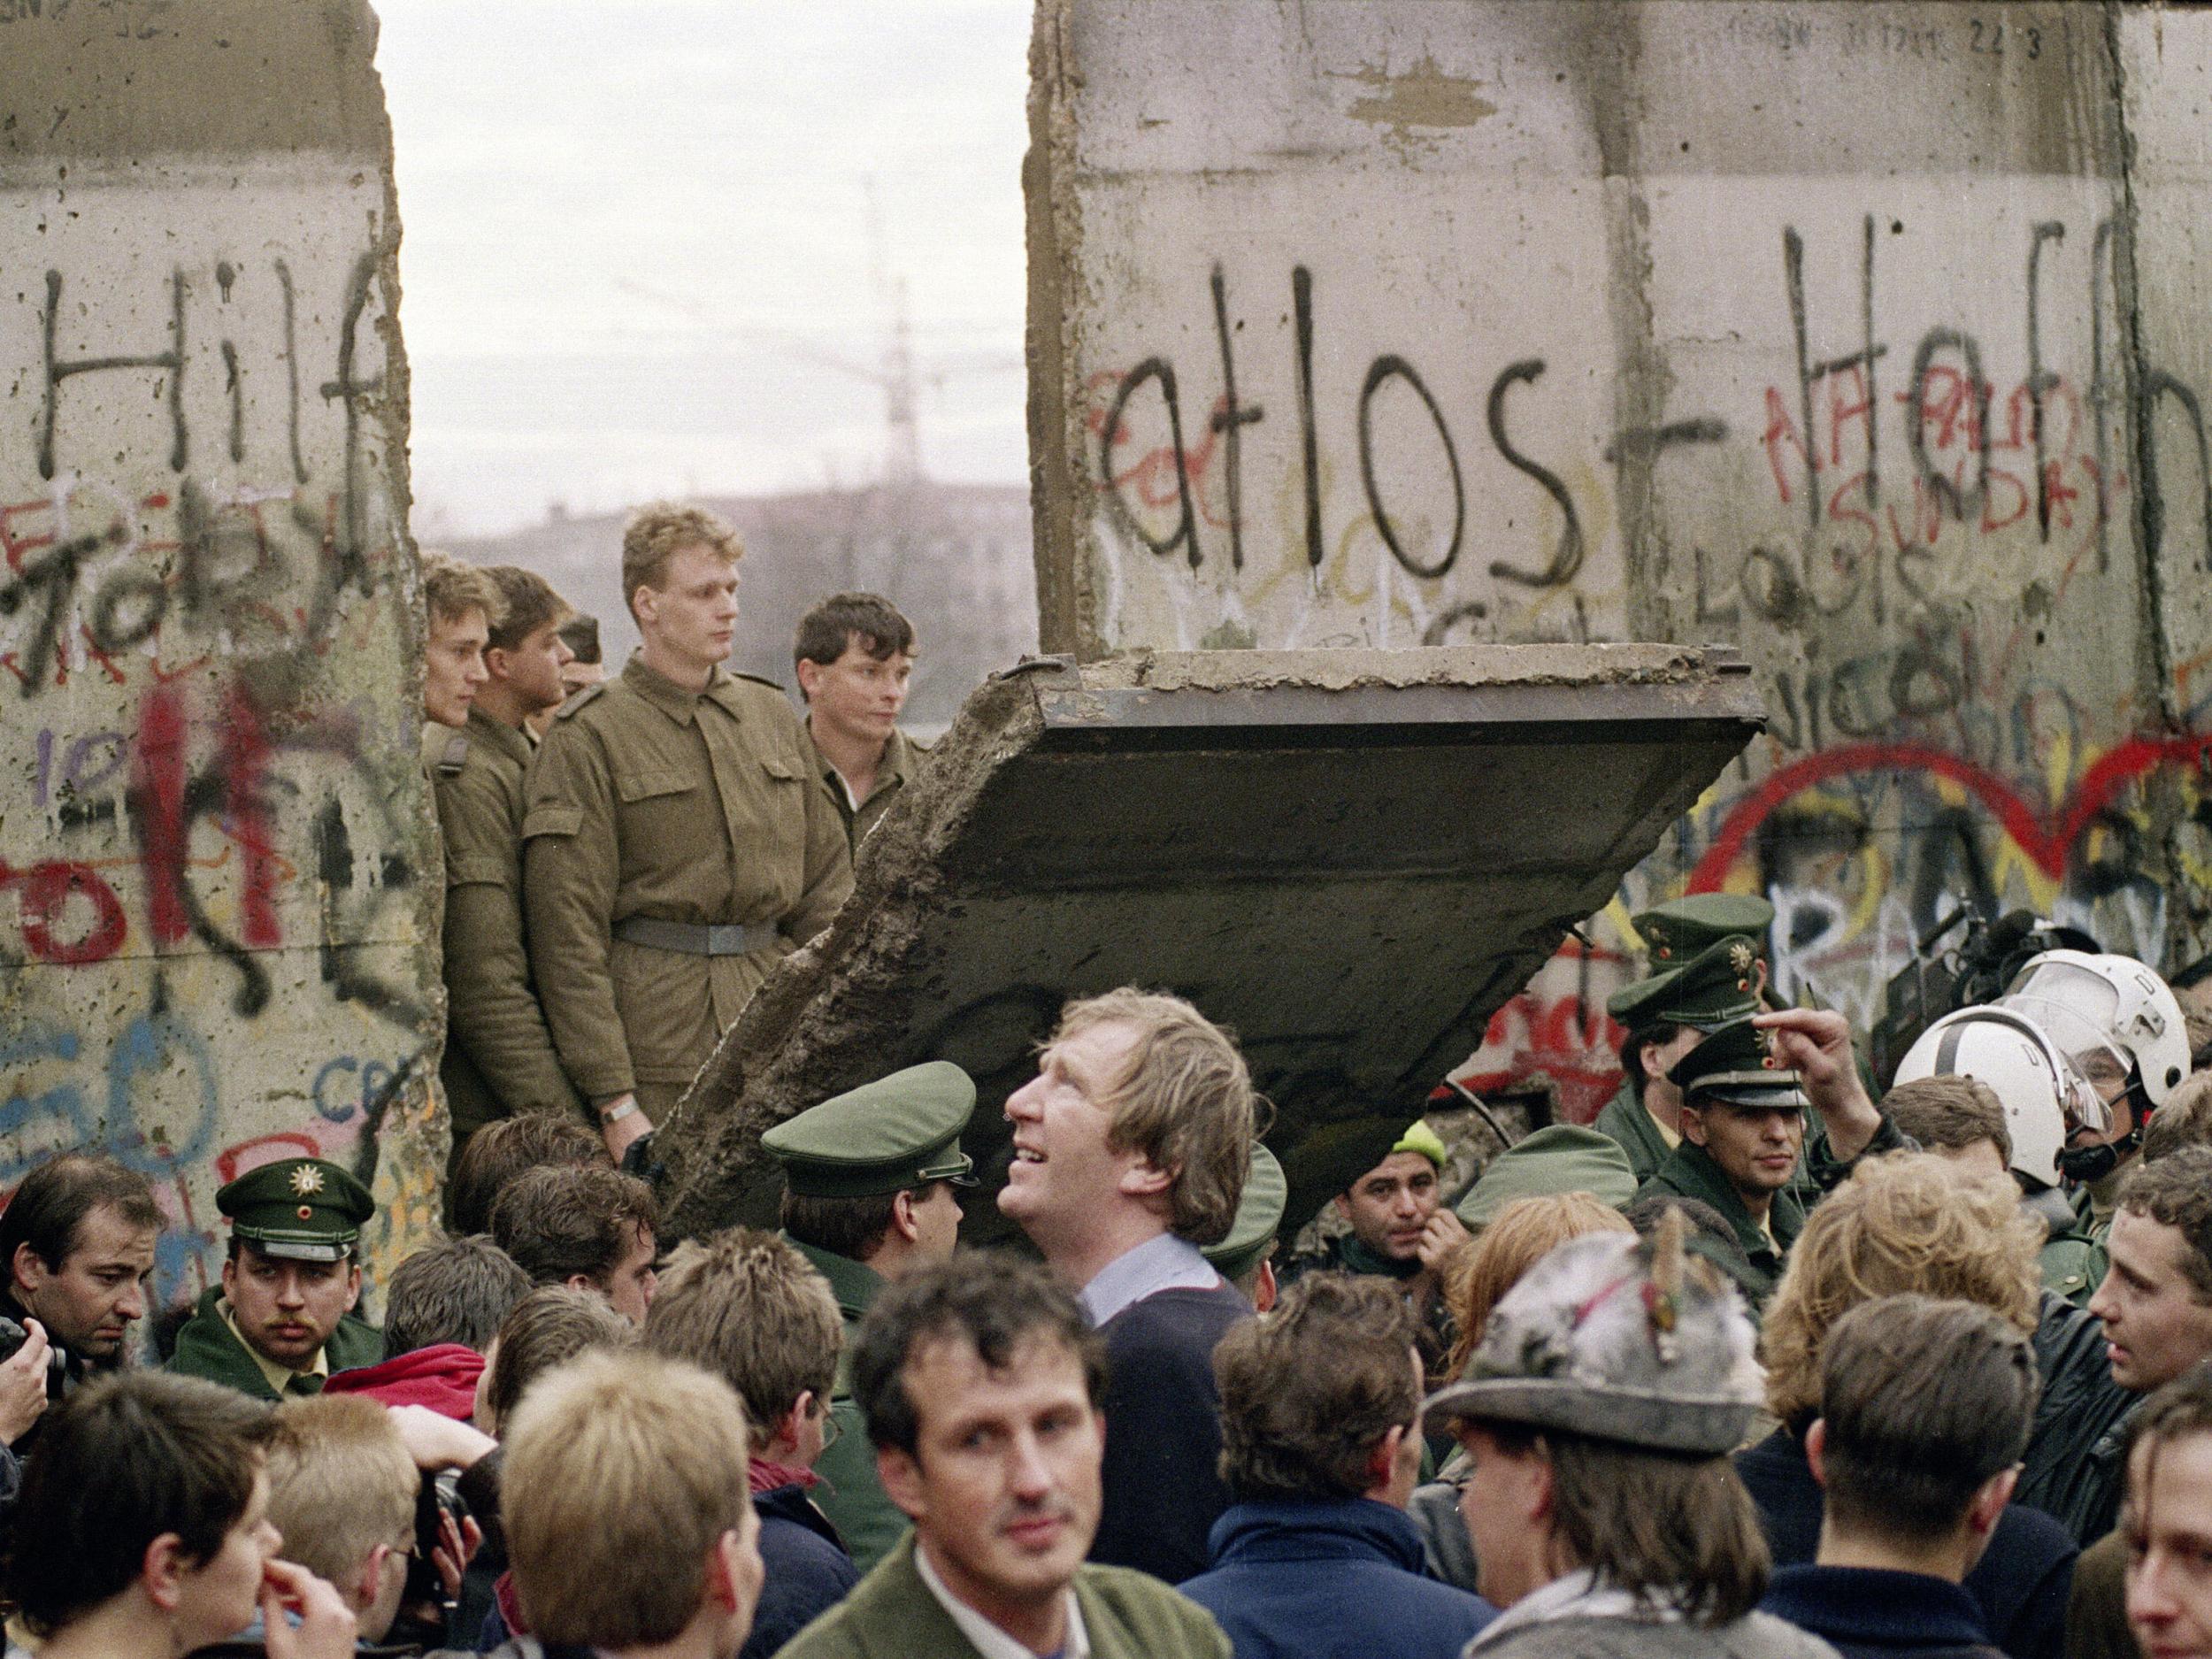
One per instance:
(902, 757)
(499, 1056)
(852, 1496)
(209, 1347)
(648, 801)
(1630, 1125)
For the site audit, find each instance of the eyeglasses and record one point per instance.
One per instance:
(831, 1427)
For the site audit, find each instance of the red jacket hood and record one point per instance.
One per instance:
(442, 1376)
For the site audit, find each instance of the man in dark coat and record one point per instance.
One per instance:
(1315, 1558)
(1925, 1407)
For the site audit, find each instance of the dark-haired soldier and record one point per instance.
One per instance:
(854, 653)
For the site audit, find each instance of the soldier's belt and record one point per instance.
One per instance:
(696, 939)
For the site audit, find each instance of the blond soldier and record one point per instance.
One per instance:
(676, 842)
(499, 1058)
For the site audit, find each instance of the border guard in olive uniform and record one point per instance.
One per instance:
(499, 1058)
(854, 653)
(677, 843)
(869, 1198)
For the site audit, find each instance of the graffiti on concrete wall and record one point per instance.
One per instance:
(212, 867)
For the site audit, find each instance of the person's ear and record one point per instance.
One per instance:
(1382, 1461)
(903, 1222)
(580, 1281)
(1264, 1290)
(1542, 1489)
(353, 1286)
(1691, 1124)
(1817, 1449)
(901, 1477)
(25, 1270)
(1343, 1202)
(162, 1569)
(793, 1423)
(495, 661)
(371, 1581)
(1146, 1180)
(809, 673)
(230, 1273)
(1988, 1507)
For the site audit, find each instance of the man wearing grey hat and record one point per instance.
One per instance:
(1599, 1411)
(869, 1196)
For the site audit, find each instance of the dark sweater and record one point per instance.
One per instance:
(2020, 1585)
(1330, 1578)
(1163, 1488)
(809, 1571)
(1865, 1613)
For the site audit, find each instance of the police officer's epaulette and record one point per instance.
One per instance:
(758, 680)
(455, 754)
(582, 697)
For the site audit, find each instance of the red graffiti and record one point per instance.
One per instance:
(231, 1163)
(2049, 842)
(159, 785)
(44, 891)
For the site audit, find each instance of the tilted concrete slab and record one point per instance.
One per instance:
(1350, 857)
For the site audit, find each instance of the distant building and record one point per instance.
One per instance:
(954, 558)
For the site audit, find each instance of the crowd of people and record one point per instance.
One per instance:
(1762, 1363)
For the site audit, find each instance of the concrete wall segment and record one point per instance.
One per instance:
(215, 944)
(1868, 337)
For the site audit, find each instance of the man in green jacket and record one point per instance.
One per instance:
(282, 1320)
(1745, 1092)
(869, 1198)
(980, 1379)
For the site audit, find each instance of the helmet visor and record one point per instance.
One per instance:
(2094, 1073)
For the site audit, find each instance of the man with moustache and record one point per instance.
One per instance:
(676, 842)
(282, 1319)
(980, 1382)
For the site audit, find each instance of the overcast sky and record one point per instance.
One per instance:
(636, 234)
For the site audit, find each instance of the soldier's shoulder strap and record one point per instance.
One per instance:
(580, 700)
(758, 680)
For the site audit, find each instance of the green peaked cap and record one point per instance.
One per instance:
(1719, 984)
(1736, 1066)
(306, 1210)
(1682, 928)
(1259, 1218)
(1559, 1158)
(897, 1132)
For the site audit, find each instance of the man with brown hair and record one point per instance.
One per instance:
(499, 1058)
(677, 843)
(746, 1306)
(854, 655)
(460, 605)
(1925, 1411)
(589, 1229)
(1321, 1444)
(1958, 1118)
(1131, 1150)
(509, 1148)
(980, 1379)
(627, 1532)
(2167, 1521)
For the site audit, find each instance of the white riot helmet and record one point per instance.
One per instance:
(2045, 1098)
(2091, 1003)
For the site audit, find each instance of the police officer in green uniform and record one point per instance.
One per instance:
(1667, 1016)
(282, 1319)
(1243, 1256)
(869, 1196)
(1744, 1133)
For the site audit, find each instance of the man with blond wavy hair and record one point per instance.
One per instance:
(1131, 1149)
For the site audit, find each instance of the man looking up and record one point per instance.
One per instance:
(499, 1058)
(676, 842)
(1320, 1411)
(1925, 1411)
(1131, 1150)
(854, 653)
(870, 1195)
(282, 1319)
(979, 1381)
(1667, 1016)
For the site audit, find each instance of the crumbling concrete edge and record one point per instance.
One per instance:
(1054, 243)
(758, 1076)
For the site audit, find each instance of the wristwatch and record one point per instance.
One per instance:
(615, 1114)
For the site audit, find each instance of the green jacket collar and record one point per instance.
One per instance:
(674, 700)
(511, 741)
(1690, 1170)
(1628, 1123)
(854, 1284)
